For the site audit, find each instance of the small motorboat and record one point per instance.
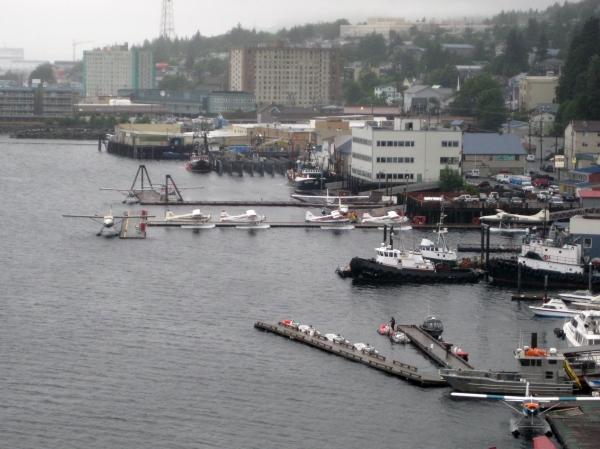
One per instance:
(395, 336)
(577, 295)
(460, 352)
(433, 327)
(365, 348)
(399, 337)
(336, 338)
(555, 308)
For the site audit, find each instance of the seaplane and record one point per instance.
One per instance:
(131, 194)
(329, 199)
(337, 217)
(109, 221)
(506, 218)
(391, 217)
(251, 218)
(195, 220)
(530, 410)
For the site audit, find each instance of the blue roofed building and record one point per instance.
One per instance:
(581, 178)
(492, 153)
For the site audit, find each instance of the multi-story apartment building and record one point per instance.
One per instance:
(536, 89)
(32, 101)
(287, 75)
(581, 136)
(106, 71)
(411, 152)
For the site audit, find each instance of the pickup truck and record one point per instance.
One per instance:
(466, 199)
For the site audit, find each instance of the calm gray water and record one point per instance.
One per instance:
(106, 343)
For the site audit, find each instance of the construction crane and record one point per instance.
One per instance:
(75, 44)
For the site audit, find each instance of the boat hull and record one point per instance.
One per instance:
(507, 383)
(505, 272)
(364, 270)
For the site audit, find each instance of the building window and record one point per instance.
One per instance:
(587, 242)
(584, 144)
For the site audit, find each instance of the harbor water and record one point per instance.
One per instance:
(109, 343)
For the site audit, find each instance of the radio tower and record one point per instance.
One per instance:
(167, 29)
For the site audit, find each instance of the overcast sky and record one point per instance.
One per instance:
(47, 29)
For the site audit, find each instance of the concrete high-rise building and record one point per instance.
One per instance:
(106, 71)
(287, 75)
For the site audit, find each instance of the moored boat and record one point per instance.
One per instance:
(555, 308)
(439, 252)
(559, 258)
(544, 371)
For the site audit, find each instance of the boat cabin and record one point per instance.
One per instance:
(433, 326)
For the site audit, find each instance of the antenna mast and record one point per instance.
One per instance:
(167, 29)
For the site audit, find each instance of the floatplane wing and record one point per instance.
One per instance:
(530, 407)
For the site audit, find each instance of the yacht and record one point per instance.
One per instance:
(583, 329)
(555, 308)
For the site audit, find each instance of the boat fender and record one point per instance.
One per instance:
(545, 257)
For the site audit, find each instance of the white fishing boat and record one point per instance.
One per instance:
(438, 252)
(555, 308)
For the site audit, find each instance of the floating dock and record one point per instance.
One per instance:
(377, 361)
(577, 426)
(134, 228)
(433, 349)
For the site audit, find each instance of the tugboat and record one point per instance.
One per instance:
(433, 327)
(200, 160)
(400, 266)
(559, 257)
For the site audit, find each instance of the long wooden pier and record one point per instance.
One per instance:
(433, 349)
(346, 350)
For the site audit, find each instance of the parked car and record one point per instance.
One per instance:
(530, 158)
(516, 200)
(483, 184)
(494, 195)
(568, 197)
(466, 199)
(498, 186)
(504, 201)
(542, 195)
(547, 167)
(491, 201)
(555, 200)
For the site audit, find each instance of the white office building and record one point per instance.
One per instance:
(411, 152)
(106, 71)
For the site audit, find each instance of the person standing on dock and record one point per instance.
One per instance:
(392, 324)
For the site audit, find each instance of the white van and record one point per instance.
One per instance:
(472, 173)
(503, 178)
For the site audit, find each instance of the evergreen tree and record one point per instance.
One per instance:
(490, 111)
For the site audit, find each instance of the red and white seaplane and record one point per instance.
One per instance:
(251, 218)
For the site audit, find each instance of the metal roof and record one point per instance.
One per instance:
(480, 143)
(587, 170)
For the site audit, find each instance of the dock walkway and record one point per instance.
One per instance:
(348, 351)
(134, 228)
(433, 349)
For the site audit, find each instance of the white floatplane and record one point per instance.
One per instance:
(195, 220)
(109, 221)
(505, 217)
(391, 217)
(530, 408)
(251, 218)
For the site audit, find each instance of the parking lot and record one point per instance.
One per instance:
(497, 191)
